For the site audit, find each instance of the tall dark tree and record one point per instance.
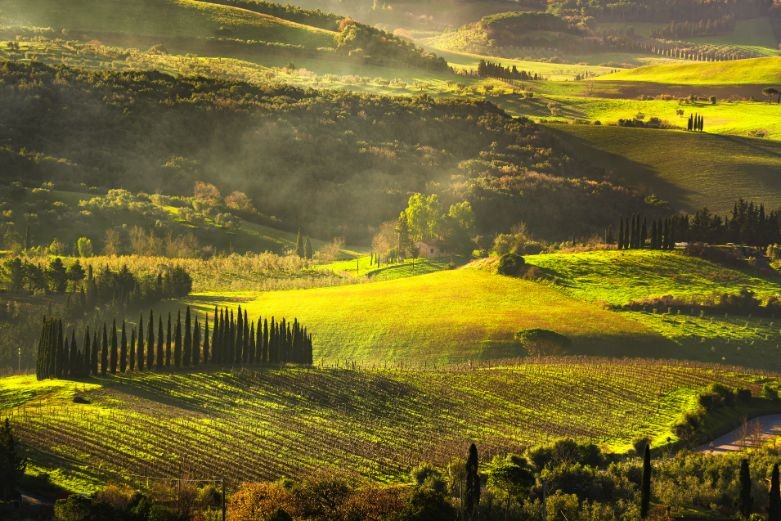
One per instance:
(472, 492)
(178, 340)
(150, 341)
(139, 347)
(168, 341)
(12, 464)
(123, 349)
(196, 348)
(94, 354)
(104, 352)
(300, 244)
(187, 352)
(87, 352)
(160, 360)
(206, 354)
(645, 484)
(114, 357)
(745, 502)
(132, 349)
(774, 499)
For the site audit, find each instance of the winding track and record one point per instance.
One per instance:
(755, 433)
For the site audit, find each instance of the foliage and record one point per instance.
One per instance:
(511, 265)
(12, 463)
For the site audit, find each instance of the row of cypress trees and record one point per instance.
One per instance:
(633, 233)
(696, 123)
(234, 339)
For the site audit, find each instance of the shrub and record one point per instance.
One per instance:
(743, 395)
(511, 264)
(542, 342)
(769, 392)
(74, 508)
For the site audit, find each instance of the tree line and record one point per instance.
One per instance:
(687, 28)
(90, 289)
(486, 69)
(696, 123)
(634, 233)
(234, 339)
(747, 223)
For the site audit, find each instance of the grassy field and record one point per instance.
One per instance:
(444, 317)
(367, 424)
(617, 278)
(162, 18)
(761, 71)
(453, 316)
(708, 170)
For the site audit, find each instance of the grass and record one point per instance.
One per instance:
(162, 18)
(691, 171)
(368, 424)
(761, 71)
(619, 277)
(443, 317)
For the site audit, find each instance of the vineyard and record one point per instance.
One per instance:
(251, 424)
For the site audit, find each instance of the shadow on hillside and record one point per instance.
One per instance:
(619, 169)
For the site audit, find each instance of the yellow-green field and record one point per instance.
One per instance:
(762, 71)
(161, 18)
(257, 424)
(449, 316)
(467, 314)
(689, 170)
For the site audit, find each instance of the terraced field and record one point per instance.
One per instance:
(371, 424)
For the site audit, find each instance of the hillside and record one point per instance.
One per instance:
(366, 424)
(473, 314)
(688, 170)
(759, 71)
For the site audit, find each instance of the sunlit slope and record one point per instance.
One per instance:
(450, 316)
(691, 171)
(161, 18)
(368, 424)
(750, 71)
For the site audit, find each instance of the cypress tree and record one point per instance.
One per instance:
(196, 348)
(272, 343)
(300, 245)
(246, 337)
(188, 339)
(94, 354)
(774, 499)
(472, 493)
(123, 350)
(131, 364)
(206, 354)
(150, 341)
(138, 348)
(160, 349)
(621, 234)
(104, 352)
(746, 501)
(59, 352)
(645, 484)
(308, 249)
(87, 353)
(643, 234)
(239, 354)
(266, 355)
(178, 340)
(168, 340)
(216, 337)
(114, 358)
(252, 343)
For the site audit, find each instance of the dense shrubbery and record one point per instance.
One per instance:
(354, 160)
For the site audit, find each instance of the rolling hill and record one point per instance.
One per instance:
(470, 314)
(691, 171)
(269, 423)
(759, 71)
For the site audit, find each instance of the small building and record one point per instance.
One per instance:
(431, 249)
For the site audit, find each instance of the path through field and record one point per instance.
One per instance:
(754, 433)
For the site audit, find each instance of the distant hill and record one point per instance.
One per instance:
(247, 29)
(690, 171)
(761, 71)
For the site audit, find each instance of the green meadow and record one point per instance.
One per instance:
(761, 71)
(689, 170)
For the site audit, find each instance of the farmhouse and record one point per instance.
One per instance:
(432, 249)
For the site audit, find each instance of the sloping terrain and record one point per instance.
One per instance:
(751, 71)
